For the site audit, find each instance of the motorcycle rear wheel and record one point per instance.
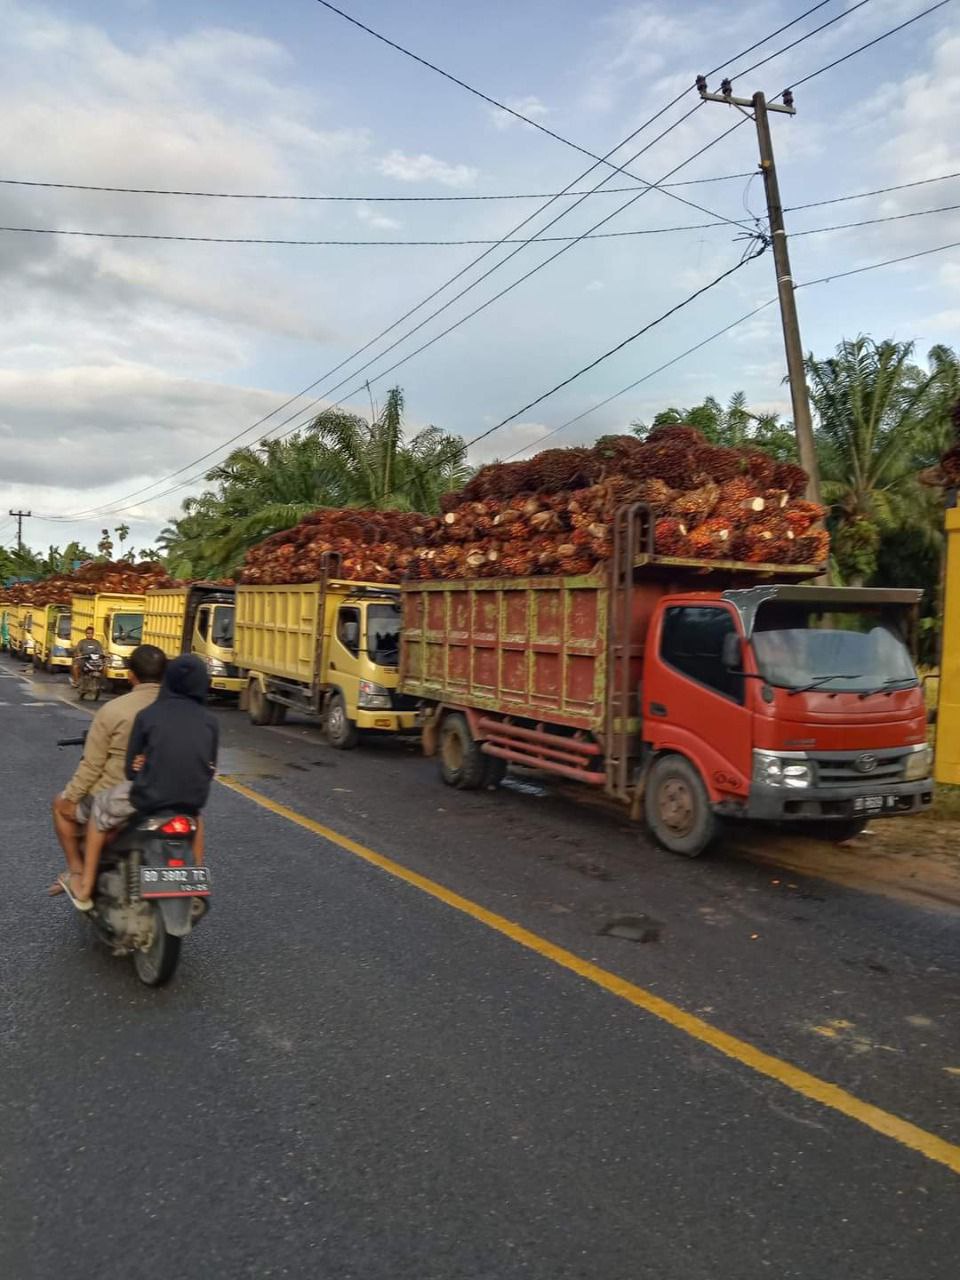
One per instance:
(158, 963)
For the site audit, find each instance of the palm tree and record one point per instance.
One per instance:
(338, 460)
(734, 426)
(879, 417)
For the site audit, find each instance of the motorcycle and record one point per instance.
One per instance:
(150, 893)
(90, 681)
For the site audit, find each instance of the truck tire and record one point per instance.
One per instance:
(258, 708)
(836, 830)
(462, 764)
(677, 807)
(494, 772)
(278, 712)
(341, 732)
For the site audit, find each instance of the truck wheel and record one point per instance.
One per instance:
(342, 733)
(462, 764)
(494, 772)
(258, 707)
(278, 712)
(836, 830)
(678, 808)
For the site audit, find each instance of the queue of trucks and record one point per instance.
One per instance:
(693, 692)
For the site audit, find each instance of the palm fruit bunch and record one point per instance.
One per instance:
(120, 577)
(554, 514)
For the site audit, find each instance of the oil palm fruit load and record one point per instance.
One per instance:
(119, 577)
(553, 514)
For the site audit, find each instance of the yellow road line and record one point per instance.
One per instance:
(765, 1064)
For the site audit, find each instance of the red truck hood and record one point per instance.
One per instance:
(841, 722)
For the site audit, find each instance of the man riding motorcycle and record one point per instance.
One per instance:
(170, 762)
(104, 757)
(88, 645)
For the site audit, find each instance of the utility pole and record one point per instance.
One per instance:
(20, 516)
(802, 421)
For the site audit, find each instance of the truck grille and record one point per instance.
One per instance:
(840, 771)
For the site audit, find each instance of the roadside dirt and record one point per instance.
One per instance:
(913, 859)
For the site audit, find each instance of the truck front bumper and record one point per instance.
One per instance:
(57, 661)
(387, 721)
(117, 674)
(228, 684)
(808, 804)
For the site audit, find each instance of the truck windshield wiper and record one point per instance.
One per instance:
(885, 687)
(818, 680)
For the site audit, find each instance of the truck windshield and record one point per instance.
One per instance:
(222, 629)
(63, 626)
(848, 651)
(383, 634)
(127, 628)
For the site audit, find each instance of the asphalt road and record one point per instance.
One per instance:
(351, 1078)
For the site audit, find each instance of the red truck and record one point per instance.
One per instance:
(695, 692)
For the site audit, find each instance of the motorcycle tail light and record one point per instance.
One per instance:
(179, 826)
(176, 862)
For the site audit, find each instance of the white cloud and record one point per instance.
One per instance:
(530, 106)
(636, 44)
(426, 168)
(378, 221)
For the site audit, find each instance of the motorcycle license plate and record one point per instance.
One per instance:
(874, 804)
(174, 882)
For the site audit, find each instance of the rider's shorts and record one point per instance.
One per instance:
(112, 808)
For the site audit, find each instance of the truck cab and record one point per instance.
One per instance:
(362, 657)
(211, 638)
(782, 703)
(123, 629)
(57, 652)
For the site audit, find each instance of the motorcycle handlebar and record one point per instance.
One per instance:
(72, 742)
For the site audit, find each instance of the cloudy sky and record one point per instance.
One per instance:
(123, 361)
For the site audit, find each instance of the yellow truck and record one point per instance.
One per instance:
(50, 627)
(21, 632)
(117, 622)
(328, 649)
(196, 619)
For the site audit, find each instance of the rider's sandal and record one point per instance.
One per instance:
(82, 904)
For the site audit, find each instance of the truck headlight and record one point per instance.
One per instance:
(779, 771)
(116, 663)
(918, 764)
(373, 697)
(216, 667)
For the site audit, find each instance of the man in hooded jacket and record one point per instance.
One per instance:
(171, 760)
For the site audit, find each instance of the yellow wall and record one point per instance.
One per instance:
(947, 762)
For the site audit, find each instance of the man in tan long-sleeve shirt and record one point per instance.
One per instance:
(104, 754)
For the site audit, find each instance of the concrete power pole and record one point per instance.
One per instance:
(20, 516)
(802, 421)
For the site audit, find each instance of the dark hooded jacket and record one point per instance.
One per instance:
(179, 738)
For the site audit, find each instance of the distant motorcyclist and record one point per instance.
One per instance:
(87, 646)
(104, 756)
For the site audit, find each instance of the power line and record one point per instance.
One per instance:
(239, 195)
(805, 284)
(114, 509)
(361, 244)
(871, 222)
(525, 119)
(869, 44)
(878, 191)
(646, 378)
(394, 244)
(612, 351)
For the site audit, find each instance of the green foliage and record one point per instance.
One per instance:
(880, 420)
(339, 460)
(733, 426)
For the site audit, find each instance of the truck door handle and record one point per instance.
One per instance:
(657, 709)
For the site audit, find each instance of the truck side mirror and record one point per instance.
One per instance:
(731, 655)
